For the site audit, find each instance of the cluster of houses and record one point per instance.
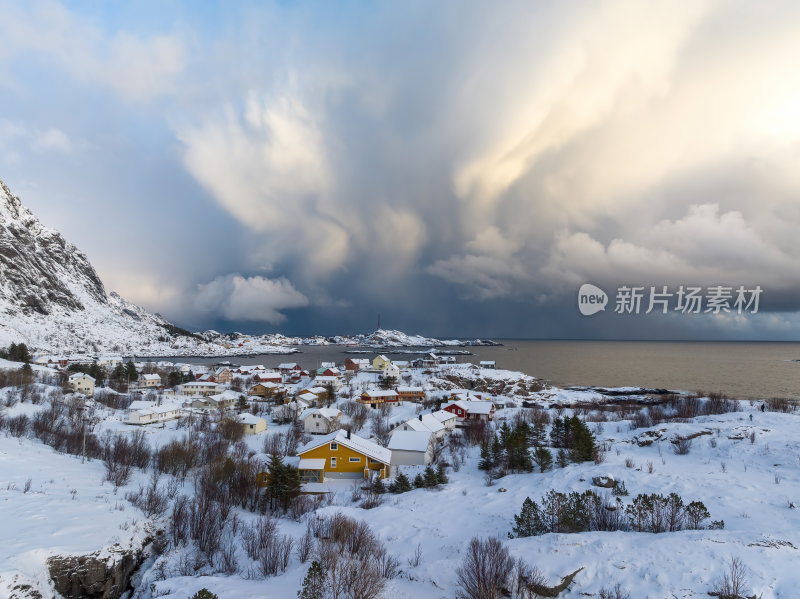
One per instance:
(334, 451)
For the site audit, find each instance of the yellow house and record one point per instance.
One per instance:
(252, 425)
(380, 362)
(342, 454)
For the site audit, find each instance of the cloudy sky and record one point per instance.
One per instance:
(460, 168)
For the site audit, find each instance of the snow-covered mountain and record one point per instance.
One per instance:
(52, 299)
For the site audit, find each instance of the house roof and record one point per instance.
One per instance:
(410, 441)
(427, 423)
(404, 389)
(473, 406)
(443, 416)
(356, 443)
(380, 393)
(287, 365)
(382, 357)
(79, 375)
(329, 413)
(151, 377)
(200, 384)
(311, 464)
(249, 419)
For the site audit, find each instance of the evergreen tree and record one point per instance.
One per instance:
(557, 433)
(283, 484)
(315, 583)
(419, 481)
(537, 435)
(486, 462)
(529, 521)
(27, 373)
(498, 458)
(401, 484)
(377, 485)
(431, 480)
(583, 444)
(19, 353)
(130, 369)
(174, 378)
(562, 459)
(204, 594)
(543, 458)
(441, 475)
(241, 403)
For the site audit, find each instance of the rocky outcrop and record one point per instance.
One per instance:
(94, 576)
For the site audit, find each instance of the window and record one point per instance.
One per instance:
(355, 459)
(333, 462)
(334, 446)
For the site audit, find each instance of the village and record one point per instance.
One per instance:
(329, 405)
(379, 477)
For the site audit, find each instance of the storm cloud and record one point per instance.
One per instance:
(458, 168)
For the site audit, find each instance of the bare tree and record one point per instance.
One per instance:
(485, 571)
(734, 581)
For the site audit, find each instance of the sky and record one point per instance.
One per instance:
(460, 168)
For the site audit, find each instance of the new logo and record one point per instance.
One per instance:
(591, 299)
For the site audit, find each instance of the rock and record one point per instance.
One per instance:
(607, 482)
(501, 490)
(92, 576)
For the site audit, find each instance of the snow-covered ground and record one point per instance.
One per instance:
(748, 484)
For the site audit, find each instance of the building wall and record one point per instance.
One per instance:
(344, 467)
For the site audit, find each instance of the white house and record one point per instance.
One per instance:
(147, 412)
(447, 419)
(199, 388)
(487, 364)
(324, 380)
(149, 380)
(411, 448)
(82, 383)
(110, 361)
(424, 423)
(391, 370)
(321, 421)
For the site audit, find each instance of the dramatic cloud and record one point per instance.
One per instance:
(249, 299)
(467, 181)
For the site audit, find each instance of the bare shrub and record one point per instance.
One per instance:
(615, 592)
(681, 446)
(629, 463)
(641, 419)
(778, 404)
(485, 570)
(734, 582)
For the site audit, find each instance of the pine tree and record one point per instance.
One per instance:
(557, 433)
(315, 583)
(431, 480)
(419, 481)
(498, 457)
(486, 456)
(204, 594)
(283, 483)
(130, 368)
(543, 458)
(583, 445)
(562, 459)
(537, 435)
(441, 475)
(529, 521)
(241, 403)
(401, 484)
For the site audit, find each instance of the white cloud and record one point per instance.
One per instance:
(138, 68)
(235, 297)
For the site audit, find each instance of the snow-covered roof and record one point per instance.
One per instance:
(380, 393)
(140, 404)
(410, 441)
(426, 423)
(249, 419)
(79, 375)
(382, 357)
(443, 416)
(356, 443)
(151, 377)
(287, 365)
(311, 464)
(329, 413)
(405, 389)
(473, 406)
(200, 384)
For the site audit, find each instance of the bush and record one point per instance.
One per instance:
(681, 446)
(485, 571)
